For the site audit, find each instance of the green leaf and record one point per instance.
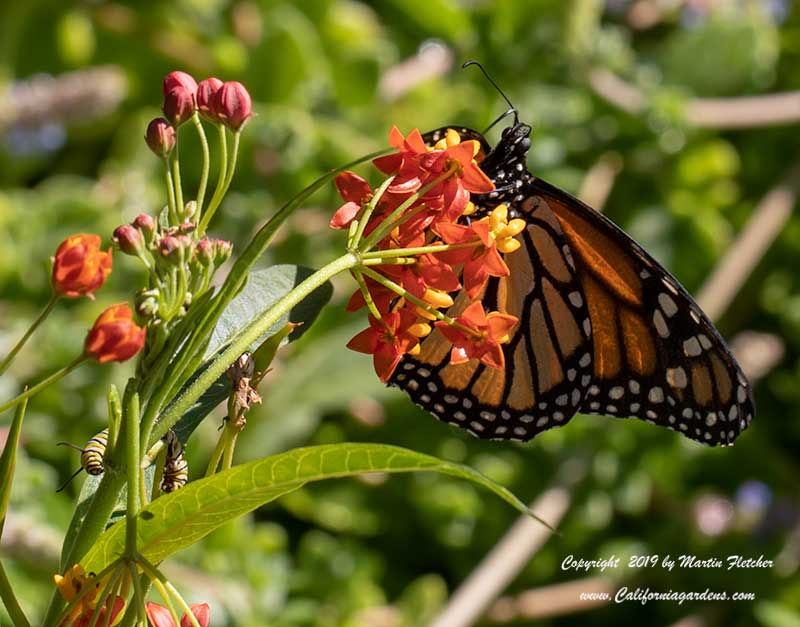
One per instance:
(175, 521)
(8, 461)
(264, 288)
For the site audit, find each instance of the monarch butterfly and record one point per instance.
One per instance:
(604, 328)
(91, 456)
(176, 468)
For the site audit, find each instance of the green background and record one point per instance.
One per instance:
(328, 79)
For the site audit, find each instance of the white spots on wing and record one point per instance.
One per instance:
(432, 386)
(594, 390)
(733, 414)
(409, 366)
(438, 408)
(635, 407)
(562, 400)
(660, 324)
(585, 379)
(656, 395)
(687, 413)
(542, 422)
(704, 341)
(576, 299)
(526, 418)
(616, 392)
(711, 419)
(585, 360)
(450, 398)
(412, 385)
(587, 327)
(476, 425)
(467, 403)
(576, 396)
(425, 398)
(487, 415)
(558, 416)
(691, 347)
(571, 374)
(423, 372)
(505, 415)
(633, 386)
(741, 394)
(459, 415)
(520, 431)
(644, 274)
(676, 377)
(667, 304)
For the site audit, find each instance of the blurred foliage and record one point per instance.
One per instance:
(329, 77)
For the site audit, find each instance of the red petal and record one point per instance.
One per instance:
(344, 215)
(352, 187)
(475, 180)
(388, 163)
(474, 315)
(364, 342)
(158, 615)
(500, 324)
(201, 612)
(458, 355)
(415, 142)
(494, 263)
(494, 357)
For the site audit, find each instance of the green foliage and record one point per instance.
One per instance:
(336, 554)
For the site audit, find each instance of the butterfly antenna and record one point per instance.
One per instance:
(68, 481)
(512, 108)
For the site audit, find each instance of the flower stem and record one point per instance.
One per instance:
(396, 217)
(10, 601)
(170, 190)
(419, 250)
(58, 374)
(176, 176)
(201, 190)
(132, 459)
(219, 191)
(362, 284)
(39, 319)
(230, 445)
(362, 223)
(216, 456)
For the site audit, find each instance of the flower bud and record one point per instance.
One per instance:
(180, 79)
(222, 251)
(233, 105)
(129, 239)
(80, 267)
(204, 252)
(189, 209)
(206, 94)
(160, 137)
(178, 105)
(146, 224)
(168, 247)
(147, 303)
(114, 336)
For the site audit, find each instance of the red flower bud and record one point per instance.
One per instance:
(206, 94)
(80, 267)
(179, 79)
(114, 336)
(204, 250)
(146, 224)
(233, 105)
(129, 239)
(178, 105)
(222, 251)
(168, 246)
(160, 137)
(159, 616)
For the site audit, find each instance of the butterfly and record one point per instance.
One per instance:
(604, 328)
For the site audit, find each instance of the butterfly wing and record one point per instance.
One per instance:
(656, 355)
(548, 360)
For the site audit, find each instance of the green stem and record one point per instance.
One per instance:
(362, 223)
(182, 603)
(10, 601)
(230, 445)
(170, 185)
(396, 217)
(201, 190)
(216, 456)
(58, 374)
(101, 599)
(39, 319)
(176, 176)
(133, 459)
(376, 276)
(243, 341)
(419, 250)
(362, 284)
(219, 191)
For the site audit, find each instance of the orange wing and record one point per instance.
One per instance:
(656, 355)
(548, 360)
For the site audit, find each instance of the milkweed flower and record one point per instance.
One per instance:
(79, 267)
(387, 340)
(70, 585)
(160, 137)
(232, 105)
(180, 91)
(477, 335)
(206, 94)
(159, 616)
(114, 335)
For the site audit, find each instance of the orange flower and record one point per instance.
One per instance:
(70, 585)
(80, 267)
(115, 336)
(483, 342)
(387, 340)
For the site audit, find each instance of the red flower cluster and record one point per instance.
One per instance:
(159, 616)
(218, 102)
(114, 336)
(417, 250)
